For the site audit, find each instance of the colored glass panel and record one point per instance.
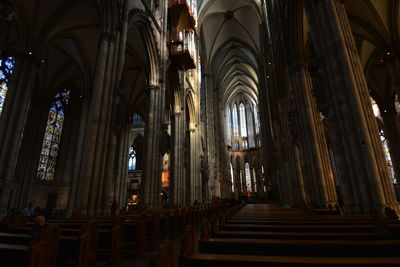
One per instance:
(6, 70)
(132, 159)
(387, 156)
(232, 180)
(235, 121)
(243, 125)
(248, 177)
(52, 137)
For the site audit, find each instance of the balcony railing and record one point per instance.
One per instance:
(183, 49)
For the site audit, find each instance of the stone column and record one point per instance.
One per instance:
(313, 153)
(210, 133)
(195, 178)
(151, 181)
(178, 177)
(349, 102)
(300, 182)
(98, 129)
(121, 181)
(75, 190)
(12, 121)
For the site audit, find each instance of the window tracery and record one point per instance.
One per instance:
(248, 177)
(243, 124)
(232, 180)
(6, 70)
(387, 155)
(52, 136)
(132, 159)
(235, 121)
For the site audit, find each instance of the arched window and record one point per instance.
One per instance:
(387, 156)
(245, 145)
(235, 121)
(229, 122)
(6, 70)
(243, 125)
(236, 148)
(137, 121)
(232, 180)
(256, 122)
(255, 180)
(132, 159)
(52, 136)
(248, 176)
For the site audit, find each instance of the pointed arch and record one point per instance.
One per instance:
(140, 19)
(191, 110)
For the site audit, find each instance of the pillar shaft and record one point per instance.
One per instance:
(349, 103)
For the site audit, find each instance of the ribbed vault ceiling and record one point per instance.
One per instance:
(230, 44)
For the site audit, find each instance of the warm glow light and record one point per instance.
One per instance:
(165, 179)
(375, 108)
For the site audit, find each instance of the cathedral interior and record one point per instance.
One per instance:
(162, 104)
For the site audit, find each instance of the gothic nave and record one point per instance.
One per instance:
(132, 105)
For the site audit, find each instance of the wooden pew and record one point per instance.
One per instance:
(189, 258)
(27, 250)
(79, 247)
(355, 247)
(164, 256)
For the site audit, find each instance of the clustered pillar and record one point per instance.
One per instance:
(349, 107)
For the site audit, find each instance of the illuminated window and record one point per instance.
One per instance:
(248, 176)
(132, 159)
(137, 121)
(245, 145)
(256, 122)
(387, 156)
(6, 70)
(243, 125)
(236, 146)
(229, 122)
(232, 180)
(52, 137)
(254, 180)
(235, 121)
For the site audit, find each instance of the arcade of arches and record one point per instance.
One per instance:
(173, 103)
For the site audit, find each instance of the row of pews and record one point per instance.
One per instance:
(85, 241)
(265, 235)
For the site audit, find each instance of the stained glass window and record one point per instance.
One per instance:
(255, 180)
(243, 125)
(6, 70)
(229, 122)
(232, 180)
(132, 159)
(245, 145)
(52, 136)
(235, 121)
(248, 176)
(241, 181)
(137, 121)
(387, 156)
(236, 146)
(256, 122)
